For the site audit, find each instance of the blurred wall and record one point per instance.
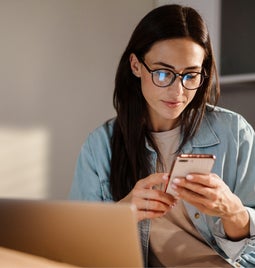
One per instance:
(58, 62)
(211, 13)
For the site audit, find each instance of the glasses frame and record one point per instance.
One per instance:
(203, 76)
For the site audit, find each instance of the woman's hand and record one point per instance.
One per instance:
(150, 201)
(210, 195)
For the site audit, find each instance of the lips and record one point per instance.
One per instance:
(173, 103)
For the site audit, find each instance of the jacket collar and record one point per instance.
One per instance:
(205, 137)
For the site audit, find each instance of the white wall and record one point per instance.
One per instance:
(58, 61)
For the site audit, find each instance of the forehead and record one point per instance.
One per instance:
(180, 52)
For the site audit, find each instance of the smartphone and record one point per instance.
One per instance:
(189, 163)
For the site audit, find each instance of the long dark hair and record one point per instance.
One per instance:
(130, 158)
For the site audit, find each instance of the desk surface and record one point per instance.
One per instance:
(10, 258)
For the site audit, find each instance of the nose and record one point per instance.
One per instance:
(177, 85)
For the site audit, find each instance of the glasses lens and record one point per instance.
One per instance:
(192, 80)
(163, 78)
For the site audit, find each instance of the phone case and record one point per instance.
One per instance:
(190, 163)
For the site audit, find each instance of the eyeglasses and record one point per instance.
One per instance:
(166, 77)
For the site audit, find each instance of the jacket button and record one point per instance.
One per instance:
(197, 215)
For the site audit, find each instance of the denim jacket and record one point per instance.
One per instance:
(223, 133)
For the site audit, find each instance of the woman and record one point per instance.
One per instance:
(166, 91)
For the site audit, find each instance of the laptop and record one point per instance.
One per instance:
(85, 234)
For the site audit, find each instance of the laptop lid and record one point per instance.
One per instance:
(80, 233)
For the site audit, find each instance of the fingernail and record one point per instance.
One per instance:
(176, 180)
(189, 177)
(165, 177)
(172, 205)
(173, 186)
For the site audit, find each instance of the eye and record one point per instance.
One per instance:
(162, 75)
(191, 76)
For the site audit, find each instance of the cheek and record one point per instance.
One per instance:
(148, 89)
(145, 81)
(190, 95)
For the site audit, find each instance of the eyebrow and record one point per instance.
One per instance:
(172, 67)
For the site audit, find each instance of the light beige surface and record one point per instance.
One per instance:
(10, 258)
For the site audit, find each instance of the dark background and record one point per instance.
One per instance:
(237, 37)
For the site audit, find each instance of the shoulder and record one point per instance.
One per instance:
(103, 131)
(100, 138)
(221, 113)
(222, 126)
(222, 117)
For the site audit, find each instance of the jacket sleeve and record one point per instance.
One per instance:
(86, 183)
(242, 251)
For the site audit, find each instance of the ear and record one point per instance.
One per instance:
(135, 65)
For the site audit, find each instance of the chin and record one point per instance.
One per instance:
(173, 116)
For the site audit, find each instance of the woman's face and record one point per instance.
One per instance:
(165, 104)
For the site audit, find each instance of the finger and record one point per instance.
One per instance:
(184, 187)
(189, 194)
(210, 199)
(150, 213)
(141, 215)
(197, 182)
(212, 188)
(152, 180)
(147, 205)
(156, 206)
(156, 195)
(210, 180)
(202, 203)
